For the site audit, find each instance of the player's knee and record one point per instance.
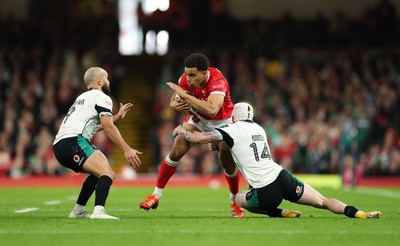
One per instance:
(171, 160)
(240, 199)
(231, 171)
(112, 175)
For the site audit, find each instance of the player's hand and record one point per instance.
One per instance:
(180, 106)
(123, 110)
(178, 129)
(131, 155)
(181, 92)
(213, 146)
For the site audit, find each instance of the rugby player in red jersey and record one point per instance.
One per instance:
(208, 106)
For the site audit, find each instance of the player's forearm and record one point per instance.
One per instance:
(116, 118)
(204, 107)
(200, 137)
(114, 135)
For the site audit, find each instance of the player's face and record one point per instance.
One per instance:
(195, 78)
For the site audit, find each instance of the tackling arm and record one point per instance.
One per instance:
(198, 137)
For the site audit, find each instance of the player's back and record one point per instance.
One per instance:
(252, 154)
(82, 117)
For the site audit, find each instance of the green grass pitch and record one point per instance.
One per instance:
(191, 216)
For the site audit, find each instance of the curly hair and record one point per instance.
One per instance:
(198, 61)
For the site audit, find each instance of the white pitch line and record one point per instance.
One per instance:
(25, 210)
(69, 198)
(54, 202)
(284, 232)
(379, 192)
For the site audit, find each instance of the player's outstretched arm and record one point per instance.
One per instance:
(198, 137)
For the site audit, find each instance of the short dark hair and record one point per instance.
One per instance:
(198, 61)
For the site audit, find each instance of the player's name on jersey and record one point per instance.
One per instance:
(79, 102)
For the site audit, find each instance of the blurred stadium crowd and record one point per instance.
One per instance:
(327, 90)
(42, 60)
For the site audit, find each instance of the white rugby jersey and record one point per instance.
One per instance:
(250, 151)
(83, 117)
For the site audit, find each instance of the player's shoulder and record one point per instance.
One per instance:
(182, 79)
(98, 96)
(215, 71)
(216, 76)
(100, 93)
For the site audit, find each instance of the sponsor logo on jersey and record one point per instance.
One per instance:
(76, 158)
(196, 119)
(249, 194)
(298, 190)
(217, 86)
(108, 103)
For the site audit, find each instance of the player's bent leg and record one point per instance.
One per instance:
(88, 187)
(167, 170)
(285, 213)
(232, 177)
(241, 201)
(225, 158)
(98, 165)
(312, 197)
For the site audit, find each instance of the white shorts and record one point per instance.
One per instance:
(207, 125)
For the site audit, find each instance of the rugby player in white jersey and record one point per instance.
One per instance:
(269, 183)
(91, 112)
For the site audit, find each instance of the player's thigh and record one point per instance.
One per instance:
(181, 146)
(311, 197)
(98, 165)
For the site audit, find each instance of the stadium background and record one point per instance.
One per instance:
(324, 79)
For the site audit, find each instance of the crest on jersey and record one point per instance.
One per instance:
(76, 158)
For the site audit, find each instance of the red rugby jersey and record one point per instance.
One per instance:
(216, 84)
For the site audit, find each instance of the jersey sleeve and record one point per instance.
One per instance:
(104, 105)
(226, 137)
(219, 87)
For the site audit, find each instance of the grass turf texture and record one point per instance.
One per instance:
(191, 216)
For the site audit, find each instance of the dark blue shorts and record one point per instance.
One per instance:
(73, 152)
